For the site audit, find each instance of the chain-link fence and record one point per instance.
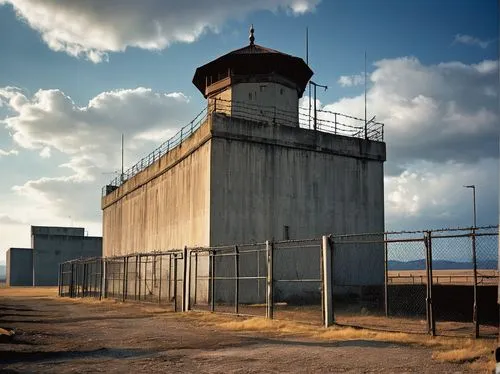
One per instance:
(439, 282)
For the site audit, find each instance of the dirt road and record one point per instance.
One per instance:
(62, 336)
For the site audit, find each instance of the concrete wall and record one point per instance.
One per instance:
(266, 177)
(165, 206)
(238, 181)
(19, 269)
(50, 250)
(276, 101)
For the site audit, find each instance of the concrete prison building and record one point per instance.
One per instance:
(39, 265)
(252, 172)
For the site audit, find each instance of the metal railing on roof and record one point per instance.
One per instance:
(325, 121)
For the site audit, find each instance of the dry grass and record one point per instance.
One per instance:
(458, 350)
(28, 291)
(477, 352)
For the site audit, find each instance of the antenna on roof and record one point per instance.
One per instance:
(309, 84)
(366, 130)
(252, 37)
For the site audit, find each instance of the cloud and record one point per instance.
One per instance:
(8, 153)
(6, 220)
(88, 138)
(443, 112)
(92, 28)
(441, 129)
(351, 80)
(470, 40)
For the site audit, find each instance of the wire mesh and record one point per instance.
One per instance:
(419, 281)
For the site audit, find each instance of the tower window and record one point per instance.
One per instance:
(282, 91)
(249, 96)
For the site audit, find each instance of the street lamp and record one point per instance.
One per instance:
(473, 202)
(474, 260)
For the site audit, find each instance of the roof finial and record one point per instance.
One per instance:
(252, 38)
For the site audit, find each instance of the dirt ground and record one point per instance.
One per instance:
(56, 335)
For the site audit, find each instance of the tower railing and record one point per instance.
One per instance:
(325, 120)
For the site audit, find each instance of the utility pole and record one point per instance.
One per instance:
(315, 110)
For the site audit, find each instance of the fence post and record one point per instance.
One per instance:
(105, 277)
(71, 281)
(185, 281)
(475, 318)
(270, 280)
(327, 245)
(175, 283)
(237, 278)
(386, 277)
(431, 323)
(59, 281)
(159, 284)
(212, 281)
(124, 284)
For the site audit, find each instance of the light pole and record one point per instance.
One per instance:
(474, 261)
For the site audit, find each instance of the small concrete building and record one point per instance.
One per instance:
(39, 265)
(19, 269)
(251, 173)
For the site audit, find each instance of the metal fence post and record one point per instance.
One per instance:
(212, 281)
(431, 323)
(175, 283)
(185, 281)
(71, 282)
(59, 277)
(237, 278)
(159, 284)
(270, 280)
(327, 250)
(475, 318)
(386, 277)
(124, 285)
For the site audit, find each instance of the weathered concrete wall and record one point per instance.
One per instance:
(275, 100)
(166, 206)
(266, 177)
(238, 181)
(50, 250)
(19, 269)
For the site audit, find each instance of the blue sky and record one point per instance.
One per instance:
(433, 79)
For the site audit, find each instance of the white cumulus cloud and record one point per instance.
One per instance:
(351, 80)
(88, 137)
(92, 28)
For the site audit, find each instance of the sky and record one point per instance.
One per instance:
(75, 75)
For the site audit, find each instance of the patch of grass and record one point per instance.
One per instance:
(456, 350)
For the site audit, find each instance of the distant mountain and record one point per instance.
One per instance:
(2, 272)
(440, 265)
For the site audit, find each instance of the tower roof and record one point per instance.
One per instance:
(254, 59)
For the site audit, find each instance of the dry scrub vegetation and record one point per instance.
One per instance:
(478, 352)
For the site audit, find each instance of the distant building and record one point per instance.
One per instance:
(39, 265)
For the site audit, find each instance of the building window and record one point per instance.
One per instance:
(249, 96)
(286, 232)
(282, 91)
